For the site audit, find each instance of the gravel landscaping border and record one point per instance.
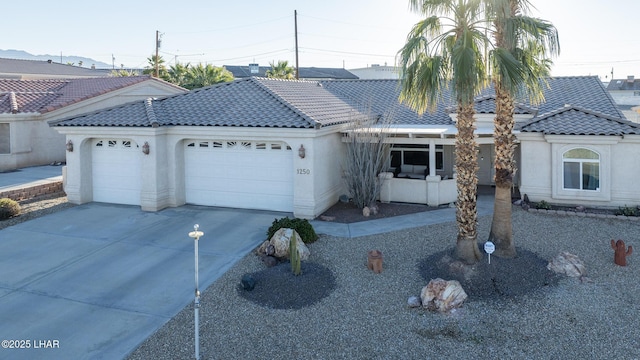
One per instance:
(366, 316)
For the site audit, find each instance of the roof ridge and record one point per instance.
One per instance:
(13, 102)
(302, 114)
(151, 115)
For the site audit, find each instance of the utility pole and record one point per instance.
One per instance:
(295, 21)
(157, 48)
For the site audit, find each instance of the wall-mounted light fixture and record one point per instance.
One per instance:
(302, 151)
(70, 146)
(145, 148)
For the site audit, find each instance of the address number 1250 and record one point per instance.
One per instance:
(303, 171)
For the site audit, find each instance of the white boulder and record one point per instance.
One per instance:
(442, 295)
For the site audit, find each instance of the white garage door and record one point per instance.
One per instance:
(239, 174)
(116, 171)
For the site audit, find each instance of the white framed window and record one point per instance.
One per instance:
(581, 170)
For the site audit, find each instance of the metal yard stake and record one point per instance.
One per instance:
(195, 234)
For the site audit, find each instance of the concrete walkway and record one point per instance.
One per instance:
(371, 227)
(30, 176)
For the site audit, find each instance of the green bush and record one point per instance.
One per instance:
(627, 211)
(8, 208)
(301, 226)
(543, 205)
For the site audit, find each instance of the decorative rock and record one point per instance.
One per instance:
(567, 264)
(248, 282)
(327, 218)
(344, 199)
(280, 241)
(269, 261)
(269, 250)
(374, 209)
(366, 211)
(580, 208)
(374, 261)
(414, 302)
(621, 252)
(518, 202)
(442, 295)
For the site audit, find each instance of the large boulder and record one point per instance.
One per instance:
(280, 243)
(442, 295)
(567, 264)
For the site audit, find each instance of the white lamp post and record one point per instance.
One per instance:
(195, 234)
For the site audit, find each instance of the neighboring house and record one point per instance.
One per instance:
(306, 73)
(377, 72)
(35, 69)
(626, 93)
(278, 145)
(26, 106)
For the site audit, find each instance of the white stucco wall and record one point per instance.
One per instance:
(541, 169)
(317, 177)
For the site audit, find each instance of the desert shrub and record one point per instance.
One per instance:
(627, 211)
(301, 226)
(8, 208)
(543, 205)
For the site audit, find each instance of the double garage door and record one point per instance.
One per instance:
(239, 174)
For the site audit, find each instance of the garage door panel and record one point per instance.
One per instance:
(116, 171)
(254, 175)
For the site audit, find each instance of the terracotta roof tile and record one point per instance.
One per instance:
(41, 96)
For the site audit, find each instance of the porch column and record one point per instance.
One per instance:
(432, 157)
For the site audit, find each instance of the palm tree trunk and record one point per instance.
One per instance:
(467, 184)
(501, 229)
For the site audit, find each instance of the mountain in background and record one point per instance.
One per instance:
(23, 55)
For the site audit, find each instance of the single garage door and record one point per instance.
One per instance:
(239, 174)
(116, 171)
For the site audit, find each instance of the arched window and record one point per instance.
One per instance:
(581, 169)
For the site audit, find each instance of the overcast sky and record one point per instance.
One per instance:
(596, 36)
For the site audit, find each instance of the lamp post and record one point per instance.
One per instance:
(195, 234)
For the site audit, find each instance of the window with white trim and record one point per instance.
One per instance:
(581, 170)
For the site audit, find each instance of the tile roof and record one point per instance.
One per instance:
(628, 84)
(16, 68)
(574, 120)
(42, 96)
(261, 102)
(240, 72)
(251, 102)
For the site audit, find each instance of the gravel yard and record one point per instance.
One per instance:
(33, 208)
(365, 315)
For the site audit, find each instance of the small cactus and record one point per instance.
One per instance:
(621, 252)
(294, 255)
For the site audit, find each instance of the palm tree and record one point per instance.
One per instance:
(281, 70)
(201, 76)
(446, 50)
(154, 61)
(520, 65)
(177, 74)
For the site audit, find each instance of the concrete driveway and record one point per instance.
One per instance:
(94, 281)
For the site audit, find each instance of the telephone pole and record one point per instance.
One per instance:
(157, 48)
(295, 20)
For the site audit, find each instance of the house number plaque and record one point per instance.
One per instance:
(303, 172)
